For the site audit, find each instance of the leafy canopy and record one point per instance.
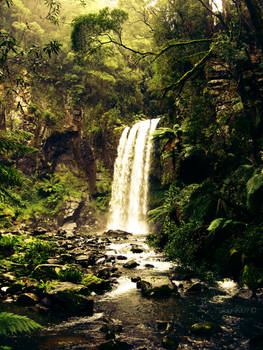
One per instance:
(90, 31)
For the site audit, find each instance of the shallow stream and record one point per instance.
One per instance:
(146, 321)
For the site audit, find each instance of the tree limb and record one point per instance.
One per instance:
(184, 78)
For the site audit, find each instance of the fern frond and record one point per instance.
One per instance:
(11, 142)
(158, 212)
(163, 133)
(12, 324)
(10, 176)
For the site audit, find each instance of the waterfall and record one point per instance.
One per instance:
(130, 187)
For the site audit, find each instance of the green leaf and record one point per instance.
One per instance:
(12, 324)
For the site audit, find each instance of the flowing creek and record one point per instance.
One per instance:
(145, 321)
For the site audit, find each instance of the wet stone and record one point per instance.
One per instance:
(39, 231)
(131, 264)
(27, 299)
(135, 279)
(136, 250)
(104, 273)
(121, 257)
(149, 266)
(196, 288)
(53, 261)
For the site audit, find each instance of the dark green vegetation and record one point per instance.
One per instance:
(70, 89)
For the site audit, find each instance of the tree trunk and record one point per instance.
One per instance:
(257, 20)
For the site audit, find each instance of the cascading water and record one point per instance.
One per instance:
(128, 206)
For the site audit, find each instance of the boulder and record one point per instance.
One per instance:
(164, 291)
(46, 271)
(27, 299)
(97, 285)
(196, 288)
(117, 233)
(68, 298)
(69, 286)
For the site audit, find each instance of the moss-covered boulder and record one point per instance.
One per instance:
(95, 284)
(159, 292)
(46, 271)
(67, 298)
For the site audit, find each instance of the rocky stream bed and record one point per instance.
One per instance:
(143, 302)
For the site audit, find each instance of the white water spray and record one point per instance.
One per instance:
(129, 199)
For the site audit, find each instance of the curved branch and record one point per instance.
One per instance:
(184, 78)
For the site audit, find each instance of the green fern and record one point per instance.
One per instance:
(12, 324)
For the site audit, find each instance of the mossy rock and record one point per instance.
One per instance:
(161, 292)
(67, 298)
(46, 271)
(95, 284)
(205, 328)
(255, 193)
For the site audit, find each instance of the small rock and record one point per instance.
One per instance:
(121, 257)
(130, 264)
(135, 279)
(110, 258)
(136, 250)
(83, 260)
(149, 266)
(39, 231)
(53, 261)
(104, 273)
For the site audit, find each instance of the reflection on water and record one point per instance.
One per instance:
(124, 286)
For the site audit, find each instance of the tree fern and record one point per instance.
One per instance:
(12, 324)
